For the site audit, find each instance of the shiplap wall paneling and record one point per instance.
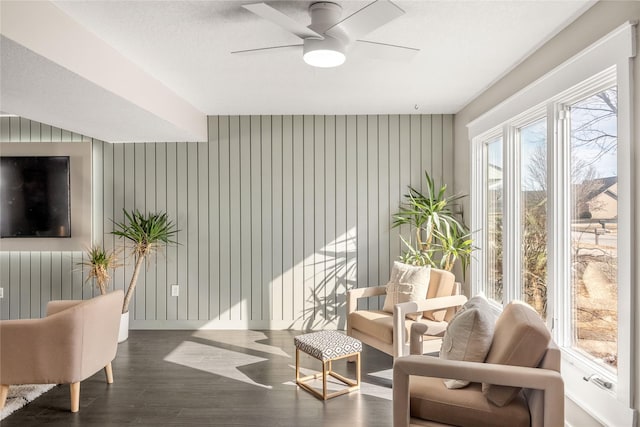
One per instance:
(288, 214)
(171, 259)
(5, 303)
(31, 279)
(203, 298)
(437, 163)
(163, 289)
(329, 214)
(152, 285)
(341, 247)
(254, 163)
(383, 211)
(351, 215)
(275, 245)
(308, 219)
(299, 170)
(247, 263)
(224, 219)
(278, 215)
(237, 183)
(394, 189)
(373, 190)
(193, 266)
(137, 190)
(213, 241)
(265, 182)
(318, 298)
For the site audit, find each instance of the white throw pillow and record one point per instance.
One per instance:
(469, 335)
(407, 283)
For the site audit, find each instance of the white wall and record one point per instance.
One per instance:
(599, 20)
(279, 216)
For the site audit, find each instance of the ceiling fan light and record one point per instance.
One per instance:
(325, 53)
(324, 58)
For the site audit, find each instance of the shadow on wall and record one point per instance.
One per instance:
(337, 268)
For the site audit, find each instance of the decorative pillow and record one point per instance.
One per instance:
(520, 339)
(407, 283)
(441, 283)
(468, 336)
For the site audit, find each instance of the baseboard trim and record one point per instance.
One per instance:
(277, 325)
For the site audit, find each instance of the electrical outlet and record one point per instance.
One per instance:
(175, 290)
(1, 292)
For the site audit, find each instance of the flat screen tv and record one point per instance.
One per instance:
(35, 196)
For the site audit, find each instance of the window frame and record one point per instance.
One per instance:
(582, 74)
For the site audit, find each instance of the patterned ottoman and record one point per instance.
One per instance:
(327, 346)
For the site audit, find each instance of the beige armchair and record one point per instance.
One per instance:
(389, 332)
(420, 397)
(74, 341)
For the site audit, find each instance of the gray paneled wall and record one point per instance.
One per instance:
(30, 279)
(278, 217)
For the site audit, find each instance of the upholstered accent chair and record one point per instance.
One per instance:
(519, 384)
(389, 332)
(74, 341)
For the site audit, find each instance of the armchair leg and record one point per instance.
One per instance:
(4, 390)
(75, 396)
(108, 371)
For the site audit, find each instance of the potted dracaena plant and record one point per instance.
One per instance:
(98, 264)
(145, 234)
(438, 237)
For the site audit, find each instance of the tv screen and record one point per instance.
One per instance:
(35, 196)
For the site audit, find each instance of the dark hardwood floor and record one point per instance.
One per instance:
(213, 378)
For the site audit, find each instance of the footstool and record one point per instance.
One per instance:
(327, 346)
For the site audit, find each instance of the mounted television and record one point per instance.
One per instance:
(35, 196)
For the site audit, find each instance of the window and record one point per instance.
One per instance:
(533, 213)
(493, 220)
(594, 226)
(552, 194)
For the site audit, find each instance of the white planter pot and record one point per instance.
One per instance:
(123, 333)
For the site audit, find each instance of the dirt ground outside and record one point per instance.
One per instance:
(595, 290)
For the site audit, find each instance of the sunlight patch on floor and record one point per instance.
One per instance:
(249, 341)
(214, 360)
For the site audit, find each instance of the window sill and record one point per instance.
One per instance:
(601, 404)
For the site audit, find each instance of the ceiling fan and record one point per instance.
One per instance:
(327, 40)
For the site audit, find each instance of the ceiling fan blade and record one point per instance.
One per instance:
(268, 49)
(384, 51)
(267, 12)
(365, 20)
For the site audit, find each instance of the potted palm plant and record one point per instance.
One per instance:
(439, 236)
(145, 234)
(98, 264)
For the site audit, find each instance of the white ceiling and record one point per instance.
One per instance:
(184, 46)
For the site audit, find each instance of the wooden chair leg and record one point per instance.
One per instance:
(108, 371)
(75, 396)
(4, 390)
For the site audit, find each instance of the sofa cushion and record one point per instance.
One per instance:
(379, 324)
(441, 284)
(407, 283)
(520, 338)
(431, 400)
(468, 336)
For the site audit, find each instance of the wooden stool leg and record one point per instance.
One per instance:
(297, 364)
(108, 371)
(324, 380)
(358, 369)
(75, 396)
(4, 391)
